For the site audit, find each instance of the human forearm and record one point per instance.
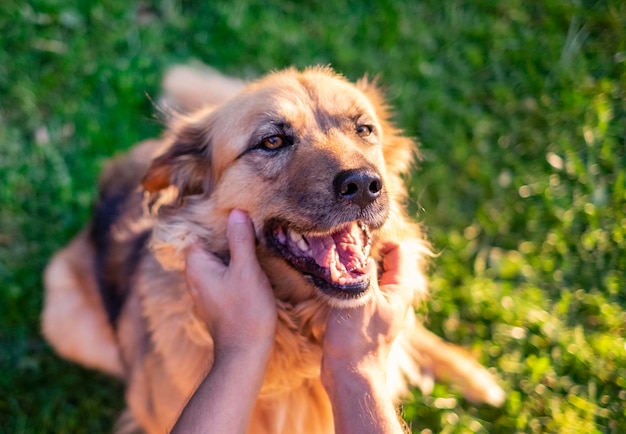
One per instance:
(357, 345)
(238, 306)
(359, 399)
(225, 399)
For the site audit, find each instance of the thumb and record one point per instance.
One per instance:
(241, 239)
(199, 263)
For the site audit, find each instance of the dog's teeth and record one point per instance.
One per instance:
(295, 237)
(282, 238)
(367, 249)
(365, 229)
(303, 245)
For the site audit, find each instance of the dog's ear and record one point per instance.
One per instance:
(186, 165)
(399, 151)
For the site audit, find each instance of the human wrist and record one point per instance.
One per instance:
(339, 371)
(359, 359)
(255, 351)
(359, 398)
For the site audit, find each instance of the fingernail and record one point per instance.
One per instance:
(238, 216)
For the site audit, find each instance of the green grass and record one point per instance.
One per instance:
(520, 107)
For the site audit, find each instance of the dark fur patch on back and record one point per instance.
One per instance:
(115, 261)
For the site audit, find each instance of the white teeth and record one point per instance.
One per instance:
(282, 238)
(295, 237)
(368, 241)
(303, 245)
(359, 266)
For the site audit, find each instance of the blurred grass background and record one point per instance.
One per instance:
(520, 108)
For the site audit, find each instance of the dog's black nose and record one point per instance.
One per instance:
(360, 186)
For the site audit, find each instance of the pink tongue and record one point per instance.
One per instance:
(341, 252)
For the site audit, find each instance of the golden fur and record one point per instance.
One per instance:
(206, 164)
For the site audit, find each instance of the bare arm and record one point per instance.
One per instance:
(356, 348)
(238, 306)
(360, 402)
(225, 399)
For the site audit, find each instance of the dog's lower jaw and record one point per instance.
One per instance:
(341, 298)
(347, 303)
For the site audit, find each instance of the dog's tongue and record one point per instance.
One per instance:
(343, 253)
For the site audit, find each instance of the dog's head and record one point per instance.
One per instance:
(311, 157)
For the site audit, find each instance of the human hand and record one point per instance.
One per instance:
(235, 301)
(360, 338)
(357, 344)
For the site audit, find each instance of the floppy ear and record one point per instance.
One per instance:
(186, 165)
(399, 151)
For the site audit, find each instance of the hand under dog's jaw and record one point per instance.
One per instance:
(335, 262)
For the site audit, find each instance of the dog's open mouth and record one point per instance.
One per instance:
(336, 262)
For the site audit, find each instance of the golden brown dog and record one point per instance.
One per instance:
(317, 164)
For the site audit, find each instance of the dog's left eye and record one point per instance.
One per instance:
(364, 130)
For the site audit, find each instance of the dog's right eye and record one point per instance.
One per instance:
(273, 143)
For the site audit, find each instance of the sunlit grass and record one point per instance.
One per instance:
(520, 110)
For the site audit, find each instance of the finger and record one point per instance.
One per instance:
(241, 241)
(393, 267)
(387, 246)
(399, 262)
(200, 266)
(399, 266)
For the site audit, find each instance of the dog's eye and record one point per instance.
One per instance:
(363, 130)
(273, 142)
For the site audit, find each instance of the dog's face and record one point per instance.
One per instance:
(303, 153)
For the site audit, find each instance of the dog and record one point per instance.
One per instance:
(317, 163)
